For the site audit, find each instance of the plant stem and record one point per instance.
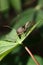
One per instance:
(32, 56)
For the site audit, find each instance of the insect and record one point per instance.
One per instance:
(22, 29)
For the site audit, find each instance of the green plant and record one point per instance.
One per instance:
(11, 40)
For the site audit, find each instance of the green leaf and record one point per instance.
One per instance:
(22, 18)
(4, 5)
(16, 5)
(8, 42)
(6, 47)
(11, 36)
(40, 18)
(31, 62)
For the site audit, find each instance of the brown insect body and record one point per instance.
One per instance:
(22, 29)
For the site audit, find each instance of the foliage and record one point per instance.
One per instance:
(11, 41)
